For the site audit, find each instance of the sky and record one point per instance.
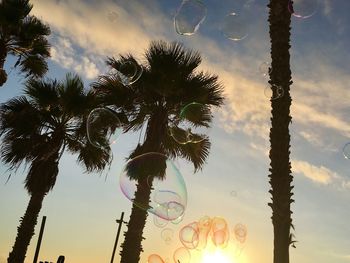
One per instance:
(82, 208)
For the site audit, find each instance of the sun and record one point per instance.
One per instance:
(216, 257)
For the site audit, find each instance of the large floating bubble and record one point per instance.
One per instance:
(103, 127)
(274, 92)
(302, 8)
(189, 235)
(167, 235)
(189, 17)
(220, 233)
(235, 26)
(185, 131)
(182, 255)
(346, 151)
(128, 72)
(154, 258)
(240, 232)
(168, 198)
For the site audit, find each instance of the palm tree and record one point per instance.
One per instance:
(169, 82)
(24, 36)
(280, 171)
(36, 129)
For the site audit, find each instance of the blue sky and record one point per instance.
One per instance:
(82, 208)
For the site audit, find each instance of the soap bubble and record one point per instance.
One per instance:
(189, 17)
(182, 255)
(233, 193)
(154, 258)
(220, 234)
(235, 26)
(112, 16)
(302, 8)
(167, 235)
(265, 69)
(168, 197)
(185, 131)
(189, 235)
(274, 92)
(204, 227)
(346, 150)
(128, 72)
(240, 232)
(159, 222)
(103, 127)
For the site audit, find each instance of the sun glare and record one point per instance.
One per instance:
(216, 257)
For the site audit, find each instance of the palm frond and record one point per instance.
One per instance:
(33, 65)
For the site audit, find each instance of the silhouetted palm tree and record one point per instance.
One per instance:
(280, 171)
(36, 129)
(24, 36)
(169, 82)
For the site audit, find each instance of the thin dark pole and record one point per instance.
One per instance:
(36, 255)
(120, 222)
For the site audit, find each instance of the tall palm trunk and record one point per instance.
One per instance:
(25, 231)
(280, 171)
(132, 248)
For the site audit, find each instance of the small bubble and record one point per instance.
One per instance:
(182, 255)
(346, 151)
(303, 8)
(167, 235)
(274, 92)
(233, 193)
(128, 72)
(189, 17)
(265, 69)
(112, 16)
(240, 232)
(235, 26)
(189, 235)
(103, 127)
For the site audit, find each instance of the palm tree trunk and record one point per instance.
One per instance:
(280, 171)
(25, 231)
(131, 248)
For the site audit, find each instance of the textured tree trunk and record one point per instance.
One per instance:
(25, 231)
(132, 248)
(280, 171)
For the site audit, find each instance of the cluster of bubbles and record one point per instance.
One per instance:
(303, 8)
(235, 25)
(196, 235)
(183, 131)
(103, 127)
(128, 72)
(274, 92)
(346, 151)
(154, 171)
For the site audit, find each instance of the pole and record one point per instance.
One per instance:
(36, 255)
(120, 222)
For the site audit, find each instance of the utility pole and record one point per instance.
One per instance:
(39, 239)
(120, 222)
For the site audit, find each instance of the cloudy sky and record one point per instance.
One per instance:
(82, 208)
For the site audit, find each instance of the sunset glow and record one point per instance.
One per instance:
(218, 256)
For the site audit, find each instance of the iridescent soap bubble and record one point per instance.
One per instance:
(189, 235)
(167, 235)
(154, 258)
(220, 233)
(103, 127)
(265, 69)
(159, 222)
(204, 227)
(274, 92)
(302, 8)
(128, 72)
(235, 26)
(189, 17)
(346, 151)
(182, 255)
(168, 199)
(112, 16)
(240, 232)
(186, 129)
